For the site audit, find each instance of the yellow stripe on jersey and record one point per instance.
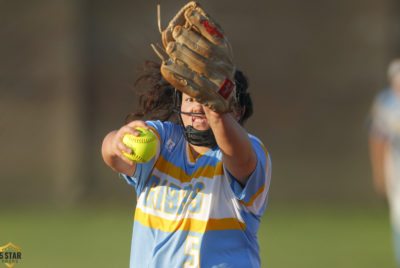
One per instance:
(155, 132)
(159, 140)
(191, 156)
(254, 197)
(170, 169)
(261, 190)
(265, 151)
(187, 224)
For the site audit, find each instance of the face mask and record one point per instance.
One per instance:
(193, 136)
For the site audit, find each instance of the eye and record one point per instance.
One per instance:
(189, 99)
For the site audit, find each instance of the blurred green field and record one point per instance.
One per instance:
(290, 236)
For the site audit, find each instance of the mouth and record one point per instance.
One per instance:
(199, 119)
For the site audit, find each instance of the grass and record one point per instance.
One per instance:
(290, 236)
(312, 236)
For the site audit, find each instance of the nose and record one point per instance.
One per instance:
(197, 107)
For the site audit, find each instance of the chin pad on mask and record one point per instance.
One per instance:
(199, 137)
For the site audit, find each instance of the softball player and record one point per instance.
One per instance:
(201, 198)
(385, 147)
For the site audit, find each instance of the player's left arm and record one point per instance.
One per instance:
(238, 155)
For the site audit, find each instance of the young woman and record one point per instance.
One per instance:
(201, 198)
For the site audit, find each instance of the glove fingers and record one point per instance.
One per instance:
(201, 45)
(208, 28)
(179, 19)
(194, 85)
(185, 78)
(214, 70)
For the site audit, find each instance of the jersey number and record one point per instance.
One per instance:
(191, 242)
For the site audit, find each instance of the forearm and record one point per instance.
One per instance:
(377, 155)
(238, 153)
(109, 156)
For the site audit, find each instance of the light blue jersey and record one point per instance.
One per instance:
(386, 116)
(192, 212)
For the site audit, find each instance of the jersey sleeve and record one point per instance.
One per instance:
(143, 170)
(254, 195)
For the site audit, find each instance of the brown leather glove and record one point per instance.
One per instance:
(200, 60)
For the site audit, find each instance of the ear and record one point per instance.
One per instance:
(238, 114)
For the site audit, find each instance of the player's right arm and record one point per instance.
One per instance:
(112, 148)
(378, 147)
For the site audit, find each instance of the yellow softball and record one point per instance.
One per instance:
(144, 146)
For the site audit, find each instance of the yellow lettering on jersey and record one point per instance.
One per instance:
(185, 196)
(172, 199)
(161, 195)
(197, 198)
(192, 250)
(151, 191)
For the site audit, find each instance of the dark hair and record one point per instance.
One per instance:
(244, 99)
(156, 96)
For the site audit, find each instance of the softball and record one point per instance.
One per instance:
(144, 146)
